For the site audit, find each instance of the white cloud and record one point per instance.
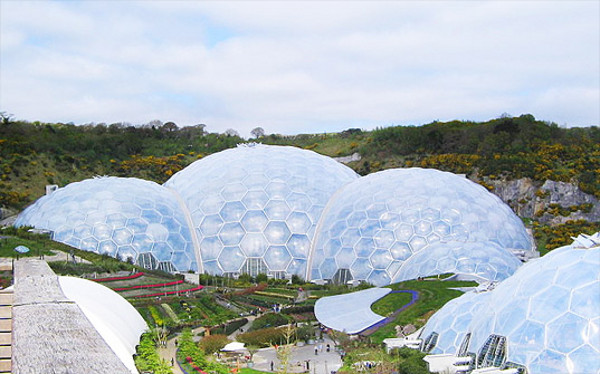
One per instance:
(295, 67)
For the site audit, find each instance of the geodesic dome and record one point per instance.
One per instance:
(373, 225)
(481, 261)
(255, 207)
(451, 323)
(121, 217)
(546, 317)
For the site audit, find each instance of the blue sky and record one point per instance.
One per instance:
(299, 67)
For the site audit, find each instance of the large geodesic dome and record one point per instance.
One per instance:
(255, 207)
(545, 318)
(373, 225)
(123, 217)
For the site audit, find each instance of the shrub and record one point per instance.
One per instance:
(213, 343)
(264, 337)
(269, 320)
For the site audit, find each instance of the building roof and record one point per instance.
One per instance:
(350, 313)
(51, 334)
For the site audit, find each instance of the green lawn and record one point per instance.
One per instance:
(433, 294)
(390, 303)
(8, 245)
(252, 371)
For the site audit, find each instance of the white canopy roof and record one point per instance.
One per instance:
(233, 346)
(117, 321)
(350, 312)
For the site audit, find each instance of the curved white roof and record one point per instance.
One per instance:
(117, 321)
(351, 312)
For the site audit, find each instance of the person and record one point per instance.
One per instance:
(175, 342)
(172, 362)
(308, 365)
(328, 347)
(316, 351)
(272, 365)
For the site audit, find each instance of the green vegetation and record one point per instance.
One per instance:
(433, 294)
(390, 303)
(191, 356)
(402, 361)
(9, 243)
(269, 320)
(551, 237)
(147, 358)
(265, 337)
(35, 154)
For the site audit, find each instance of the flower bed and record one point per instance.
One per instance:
(109, 279)
(148, 286)
(171, 292)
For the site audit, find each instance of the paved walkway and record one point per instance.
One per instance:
(169, 353)
(322, 363)
(62, 256)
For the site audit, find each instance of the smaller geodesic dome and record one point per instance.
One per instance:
(123, 217)
(255, 207)
(373, 225)
(546, 317)
(480, 261)
(447, 330)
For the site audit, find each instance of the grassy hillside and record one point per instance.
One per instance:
(33, 155)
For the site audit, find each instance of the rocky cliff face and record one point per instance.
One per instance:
(549, 202)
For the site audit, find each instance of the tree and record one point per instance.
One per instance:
(257, 132)
(232, 132)
(6, 118)
(170, 126)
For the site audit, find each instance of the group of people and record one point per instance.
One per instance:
(319, 348)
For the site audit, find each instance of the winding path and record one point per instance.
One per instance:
(371, 329)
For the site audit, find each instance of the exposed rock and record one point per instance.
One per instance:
(346, 159)
(531, 199)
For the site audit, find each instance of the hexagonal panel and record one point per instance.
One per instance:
(254, 221)
(254, 244)
(277, 232)
(582, 304)
(255, 200)
(232, 211)
(231, 259)
(299, 245)
(381, 259)
(211, 225)
(549, 304)
(562, 333)
(231, 233)
(277, 210)
(298, 222)
(277, 258)
(233, 191)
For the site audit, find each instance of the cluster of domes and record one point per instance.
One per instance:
(545, 317)
(281, 211)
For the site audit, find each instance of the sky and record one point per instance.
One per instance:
(299, 67)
